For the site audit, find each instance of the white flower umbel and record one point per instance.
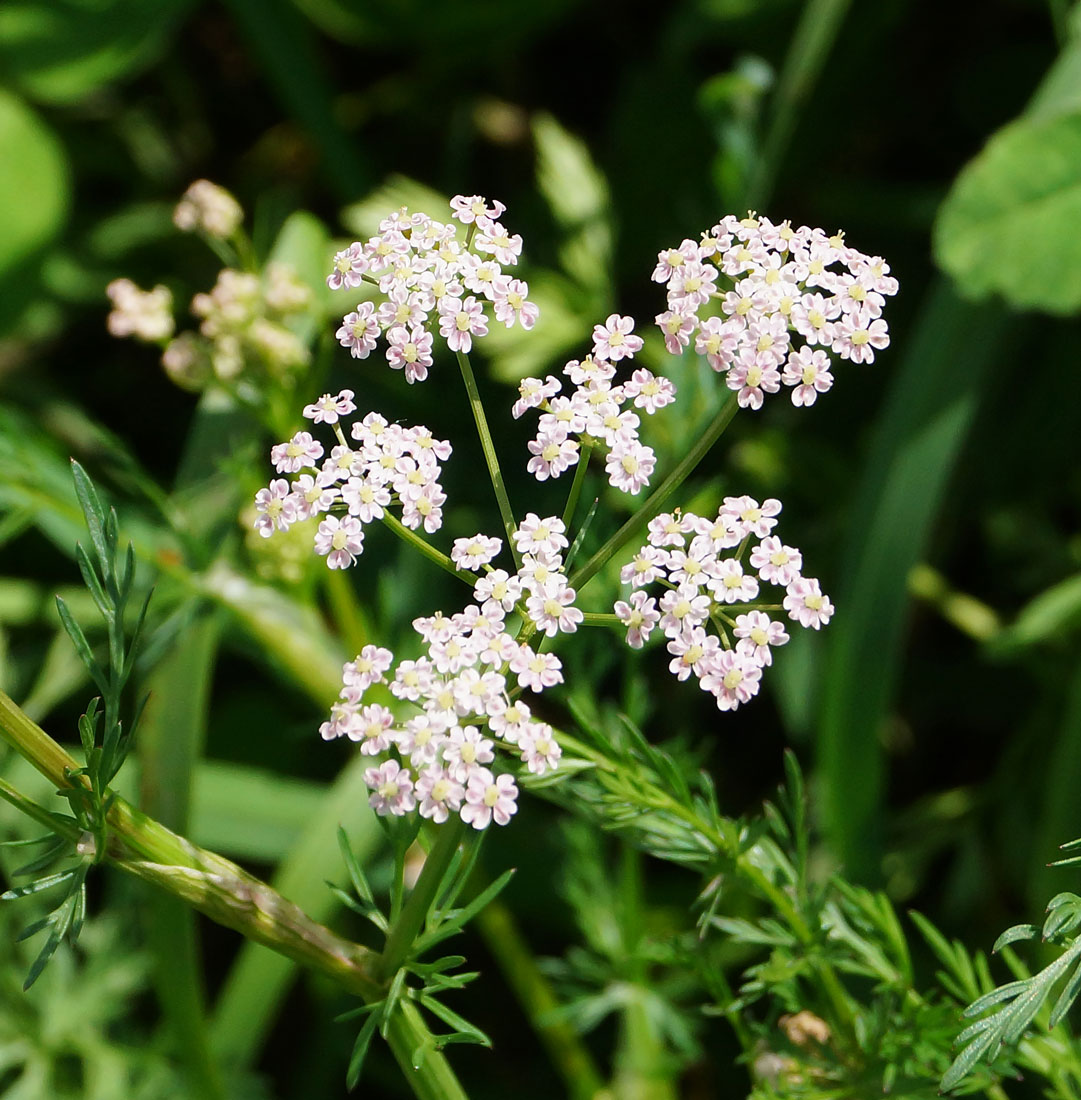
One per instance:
(700, 564)
(768, 305)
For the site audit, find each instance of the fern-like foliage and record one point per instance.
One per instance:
(1016, 1004)
(80, 839)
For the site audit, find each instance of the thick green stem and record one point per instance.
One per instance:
(659, 497)
(230, 896)
(490, 457)
(414, 913)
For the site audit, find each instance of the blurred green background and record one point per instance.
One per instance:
(936, 492)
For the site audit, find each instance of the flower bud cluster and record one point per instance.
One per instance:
(699, 563)
(245, 316)
(430, 280)
(768, 305)
(210, 209)
(386, 466)
(145, 314)
(246, 319)
(441, 760)
(594, 412)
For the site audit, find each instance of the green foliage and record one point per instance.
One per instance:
(1000, 229)
(445, 918)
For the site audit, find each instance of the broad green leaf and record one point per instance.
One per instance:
(1007, 225)
(34, 187)
(58, 51)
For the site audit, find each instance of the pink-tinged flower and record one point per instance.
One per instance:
(467, 209)
(583, 371)
(276, 506)
(402, 308)
(511, 724)
(752, 380)
(313, 495)
(670, 529)
(340, 541)
(439, 793)
(731, 585)
(757, 633)
(541, 536)
(860, 343)
(756, 519)
(365, 498)
(647, 565)
(677, 327)
(639, 616)
(533, 393)
(359, 331)
(672, 260)
(349, 267)
(808, 370)
(629, 465)
(775, 562)
(695, 566)
(540, 750)
(500, 586)
(460, 322)
(410, 350)
(648, 391)
(718, 341)
(511, 305)
(692, 285)
(494, 239)
(478, 692)
(552, 611)
(489, 798)
(733, 679)
(724, 532)
(392, 789)
(472, 553)
(465, 749)
(693, 650)
(536, 671)
(300, 451)
(614, 340)
(683, 607)
(452, 655)
(425, 508)
(806, 604)
(480, 275)
(373, 729)
(341, 715)
(812, 317)
(411, 680)
(553, 453)
(370, 666)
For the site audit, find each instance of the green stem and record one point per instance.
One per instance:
(576, 485)
(230, 896)
(810, 46)
(65, 828)
(490, 457)
(414, 913)
(600, 618)
(567, 1052)
(426, 548)
(659, 497)
(434, 1079)
(348, 614)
